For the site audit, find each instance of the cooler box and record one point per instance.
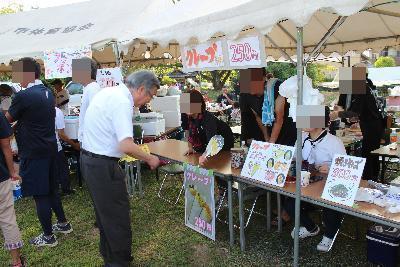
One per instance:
(152, 128)
(383, 245)
(166, 103)
(71, 126)
(172, 118)
(152, 123)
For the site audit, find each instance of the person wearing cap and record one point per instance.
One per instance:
(372, 123)
(62, 95)
(107, 136)
(319, 149)
(33, 110)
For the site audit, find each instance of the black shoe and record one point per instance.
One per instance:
(61, 228)
(42, 241)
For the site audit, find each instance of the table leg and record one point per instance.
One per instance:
(383, 169)
(241, 217)
(268, 211)
(278, 199)
(139, 177)
(78, 170)
(230, 213)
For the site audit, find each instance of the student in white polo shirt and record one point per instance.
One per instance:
(319, 149)
(107, 135)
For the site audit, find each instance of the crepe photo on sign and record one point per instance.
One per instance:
(343, 179)
(215, 145)
(268, 163)
(199, 200)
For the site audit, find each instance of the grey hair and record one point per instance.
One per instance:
(142, 78)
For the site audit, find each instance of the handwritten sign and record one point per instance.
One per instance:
(245, 52)
(343, 179)
(203, 56)
(58, 63)
(268, 163)
(199, 200)
(109, 77)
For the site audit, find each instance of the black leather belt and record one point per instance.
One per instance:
(93, 155)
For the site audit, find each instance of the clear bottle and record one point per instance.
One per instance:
(393, 136)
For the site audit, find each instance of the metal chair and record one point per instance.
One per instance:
(250, 192)
(171, 170)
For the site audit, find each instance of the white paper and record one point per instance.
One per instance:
(203, 56)
(343, 179)
(58, 62)
(109, 77)
(268, 163)
(245, 52)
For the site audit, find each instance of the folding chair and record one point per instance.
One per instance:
(171, 170)
(250, 192)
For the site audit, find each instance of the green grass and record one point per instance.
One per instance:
(160, 237)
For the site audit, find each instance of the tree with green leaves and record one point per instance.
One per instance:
(383, 62)
(218, 78)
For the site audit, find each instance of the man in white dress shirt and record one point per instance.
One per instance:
(107, 135)
(91, 88)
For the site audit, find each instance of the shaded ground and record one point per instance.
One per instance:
(161, 238)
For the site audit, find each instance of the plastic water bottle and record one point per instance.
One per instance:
(17, 192)
(393, 136)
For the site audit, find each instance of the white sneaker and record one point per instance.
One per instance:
(303, 232)
(325, 245)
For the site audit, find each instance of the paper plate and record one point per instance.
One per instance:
(215, 145)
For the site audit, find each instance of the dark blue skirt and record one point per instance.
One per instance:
(38, 176)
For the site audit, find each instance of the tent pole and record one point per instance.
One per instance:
(116, 53)
(328, 34)
(299, 157)
(283, 52)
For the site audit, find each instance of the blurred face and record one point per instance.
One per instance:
(188, 107)
(58, 87)
(225, 90)
(141, 96)
(23, 73)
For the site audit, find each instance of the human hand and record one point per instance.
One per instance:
(334, 115)
(203, 160)
(323, 168)
(15, 177)
(189, 151)
(153, 162)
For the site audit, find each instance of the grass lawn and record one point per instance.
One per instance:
(160, 237)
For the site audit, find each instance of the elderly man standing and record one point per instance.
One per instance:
(108, 134)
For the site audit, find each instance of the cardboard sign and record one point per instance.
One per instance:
(109, 77)
(245, 52)
(203, 56)
(343, 179)
(268, 163)
(58, 62)
(199, 200)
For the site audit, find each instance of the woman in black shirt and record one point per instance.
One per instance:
(202, 126)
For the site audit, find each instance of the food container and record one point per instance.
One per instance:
(383, 245)
(237, 157)
(17, 192)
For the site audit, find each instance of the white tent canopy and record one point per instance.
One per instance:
(99, 22)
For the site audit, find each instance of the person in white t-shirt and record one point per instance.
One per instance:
(319, 149)
(61, 160)
(91, 88)
(62, 95)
